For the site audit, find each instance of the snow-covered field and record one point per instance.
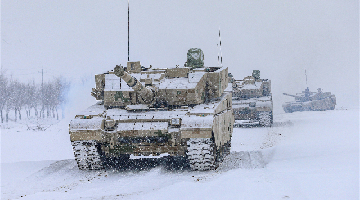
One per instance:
(306, 155)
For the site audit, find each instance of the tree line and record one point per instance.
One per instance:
(39, 100)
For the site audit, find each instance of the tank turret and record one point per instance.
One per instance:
(303, 97)
(306, 101)
(167, 113)
(160, 87)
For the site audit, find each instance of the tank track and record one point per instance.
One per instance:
(265, 118)
(225, 150)
(201, 154)
(87, 155)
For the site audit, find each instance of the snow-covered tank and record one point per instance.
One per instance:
(252, 101)
(180, 113)
(306, 101)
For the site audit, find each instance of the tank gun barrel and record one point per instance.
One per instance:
(289, 95)
(146, 94)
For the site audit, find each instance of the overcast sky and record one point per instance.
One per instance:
(282, 39)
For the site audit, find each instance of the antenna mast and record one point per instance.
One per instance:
(128, 32)
(219, 56)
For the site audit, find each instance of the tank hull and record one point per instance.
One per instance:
(118, 134)
(315, 105)
(253, 112)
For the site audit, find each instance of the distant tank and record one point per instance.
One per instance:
(180, 113)
(252, 101)
(306, 101)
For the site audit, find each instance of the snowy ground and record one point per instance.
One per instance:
(306, 155)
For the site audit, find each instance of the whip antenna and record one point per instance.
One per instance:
(219, 56)
(128, 32)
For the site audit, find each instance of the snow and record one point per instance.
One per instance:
(182, 83)
(137, 107)
(113, 83)
(209, 108)
(204, 108)
(260, 102)
(95, 109)
(177, 83)
(149, 156)
(120, 114)
(229, 88)
(234, 106)
(19, 144)
(263, 104)
(151, 76)
(86, 124)
(143, 126)
(195, 77)
(305, 155)
(192, 121)
(255, 86)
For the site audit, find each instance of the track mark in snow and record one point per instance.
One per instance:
(246, 160)
(273, 137)
(282, 124)
(65, 170)
(120, 195)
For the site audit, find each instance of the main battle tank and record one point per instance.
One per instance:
(252, 101)
(177, 113)
(306, 101)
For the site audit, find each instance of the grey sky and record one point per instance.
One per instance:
(280, 38)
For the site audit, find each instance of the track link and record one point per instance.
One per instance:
(87, 155)
(265, 118)
(202, 154)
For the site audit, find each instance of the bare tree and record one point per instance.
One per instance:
(9, 95)
(17, 99)
(32, 100)
(16, 95)
(64, 89)
(51, 100)
(3, 94)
